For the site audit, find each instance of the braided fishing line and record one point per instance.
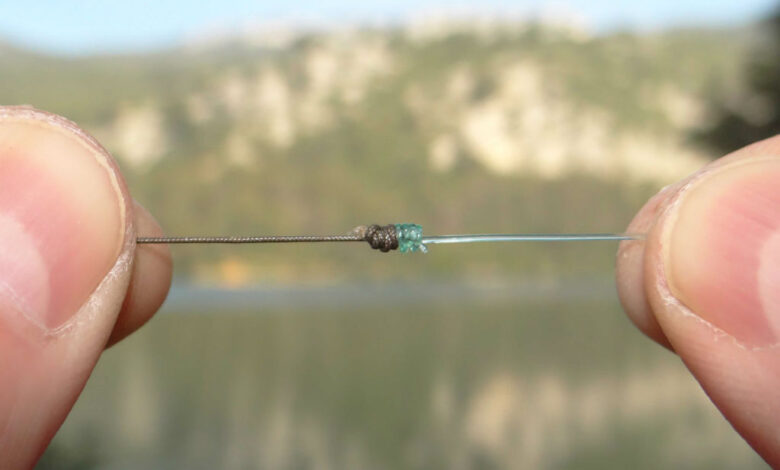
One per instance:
(406, 238)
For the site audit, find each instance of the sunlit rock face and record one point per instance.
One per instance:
(139, 134)
(527, 125)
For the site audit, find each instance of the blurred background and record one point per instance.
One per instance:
(309, 117)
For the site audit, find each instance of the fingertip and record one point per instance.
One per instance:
(63, 216)
(630, 270)
(150, 282)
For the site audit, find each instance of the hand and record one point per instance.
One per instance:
(706, 284)
(72, 280)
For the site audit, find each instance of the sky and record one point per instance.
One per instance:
(94, 26)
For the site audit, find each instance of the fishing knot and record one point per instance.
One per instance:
(382, 237)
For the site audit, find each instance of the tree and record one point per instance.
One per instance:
(758, 115)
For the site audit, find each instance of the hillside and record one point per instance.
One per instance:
(511, 127)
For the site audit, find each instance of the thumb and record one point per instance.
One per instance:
(709, 277)
(66, 246)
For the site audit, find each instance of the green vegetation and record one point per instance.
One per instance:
(755, 114)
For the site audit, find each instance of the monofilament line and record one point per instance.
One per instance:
(403, 237)
(531, 237)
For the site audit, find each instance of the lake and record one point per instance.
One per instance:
(520, 374)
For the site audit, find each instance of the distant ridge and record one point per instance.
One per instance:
(475, 128)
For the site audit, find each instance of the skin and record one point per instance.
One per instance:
(72, 281)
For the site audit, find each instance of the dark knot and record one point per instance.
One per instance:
(383, 238)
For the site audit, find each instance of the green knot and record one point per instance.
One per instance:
(410, 238)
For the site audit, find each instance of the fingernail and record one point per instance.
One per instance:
(722, 249)
(62, 219)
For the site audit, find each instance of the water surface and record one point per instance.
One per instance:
(409, 376)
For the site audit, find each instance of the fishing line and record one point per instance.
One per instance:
(405, 238)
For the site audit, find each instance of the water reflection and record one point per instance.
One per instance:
(445, 376)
